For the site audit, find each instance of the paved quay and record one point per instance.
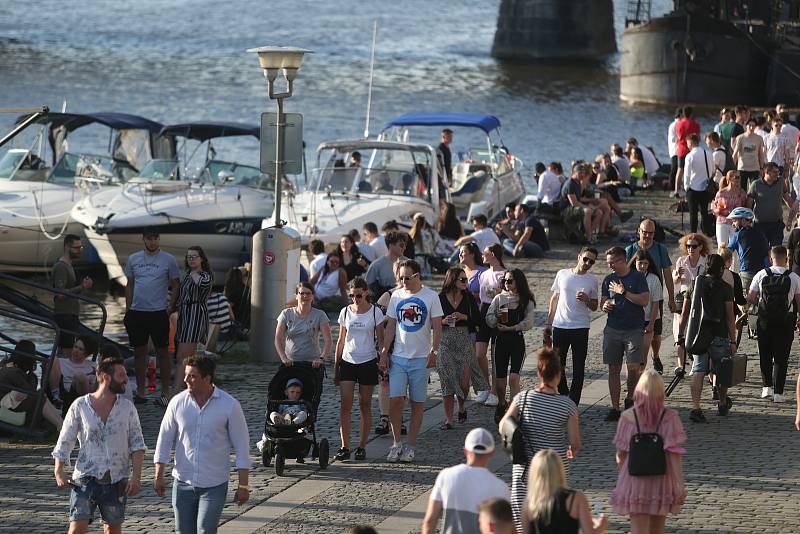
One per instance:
(742, 472)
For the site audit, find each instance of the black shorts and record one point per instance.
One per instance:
(69, 326)
(658, 327)
(365, 374)
(485, 334)
(681, 162)
(509, 348)
(142, 325)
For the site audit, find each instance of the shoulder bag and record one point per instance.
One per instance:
(513, 437)
(646, 456)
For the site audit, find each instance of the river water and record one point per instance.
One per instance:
(185, 60)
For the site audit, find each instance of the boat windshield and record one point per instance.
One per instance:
(160, 169)
(380, 170)
(22, 165)
(220, 172)
(90, 168)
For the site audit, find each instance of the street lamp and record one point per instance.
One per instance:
(276, 249)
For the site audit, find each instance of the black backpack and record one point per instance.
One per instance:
(729, 164)
(773, 302)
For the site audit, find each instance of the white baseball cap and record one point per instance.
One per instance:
(480, 441)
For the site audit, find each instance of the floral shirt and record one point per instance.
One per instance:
(104, 447)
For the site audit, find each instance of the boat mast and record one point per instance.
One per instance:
(371, 71)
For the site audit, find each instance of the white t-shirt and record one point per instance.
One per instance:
(656, 295)
(359, 346)
(570, 312)
(484, 238)
(549, 188)
(413, 312)
(317, 263)
(491, 283)
(70, 369)
(672, 139)
(650, 161)
(755, 285)
(367, 251)
(379, 246)
(461, 489)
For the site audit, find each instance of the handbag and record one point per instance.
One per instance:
(646, 456)
(513, 438)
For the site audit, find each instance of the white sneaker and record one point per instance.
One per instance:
(394, 453)
(481, 396)
(778, 398)
(766, 392)
(491, 400)
(407, 455)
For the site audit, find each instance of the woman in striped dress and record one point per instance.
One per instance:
(192, 308)
(548, 421)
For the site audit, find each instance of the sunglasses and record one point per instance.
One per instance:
(192, 256)
(508, 281)
(463, 279)
(590, 261)
(407, 278)
(356, 295)
(692, 245)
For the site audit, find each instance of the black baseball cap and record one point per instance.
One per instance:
(151, 231)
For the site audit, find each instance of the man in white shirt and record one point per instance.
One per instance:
(374, 239)
(621, 163)
(365, 249)
(696, 173)
(574, 295)
(415, 326)
(672, 148)
(203, 423)
(317, 249)
(483, 236)
(718, 154)
(459, 490)
(549, 187)
(110, 435)
(775, 336)
(779, 149)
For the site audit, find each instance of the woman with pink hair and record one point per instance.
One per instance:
(648, 499)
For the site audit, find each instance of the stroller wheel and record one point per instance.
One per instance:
(324, 453)
(280, 462)
(266, 454)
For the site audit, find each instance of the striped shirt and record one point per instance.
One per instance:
(219, 311)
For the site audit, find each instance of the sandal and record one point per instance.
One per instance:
(462, 416)
(446, 426)
(360, 454)
(342, 454)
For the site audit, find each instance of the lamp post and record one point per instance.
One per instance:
(276, 250)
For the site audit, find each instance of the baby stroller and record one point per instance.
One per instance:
(294, 440)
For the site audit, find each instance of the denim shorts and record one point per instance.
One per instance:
(109, 498)
(619, 344)
(719, 348)
(409, 374)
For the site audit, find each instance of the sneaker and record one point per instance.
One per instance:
(394, 454)
(628, 403)
(658, 366)
(613, 414)
(360, 453)
(723, 409)
(697, 416)
(491, 400)
(342, 454)
(766, 392)
(625, 215)
(407, 456)
(383, 426)
(482, 396)
(778, 398)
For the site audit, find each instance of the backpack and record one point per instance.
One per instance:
(773, 302)
(729, 165)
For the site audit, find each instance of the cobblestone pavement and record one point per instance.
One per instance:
(741, 471)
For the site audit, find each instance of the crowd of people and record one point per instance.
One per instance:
(393, 330)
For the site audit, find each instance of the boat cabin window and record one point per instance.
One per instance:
(161, 169)
(220, 172)
(90, 168)
(18, 164)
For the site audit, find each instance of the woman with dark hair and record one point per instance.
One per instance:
(471, 259)
(637, 168)
(192, 308)
(642, 261)
(330, 285)
(461, 315)
(478, 370)
(449, 226)
(238, 296)
(547, 420)
(299, 327)
(351, 260)
(356, 362)
(17, 374)
(511, 313)
(491, 283)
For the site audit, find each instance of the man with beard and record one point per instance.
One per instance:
(66, 308)
(107, 426)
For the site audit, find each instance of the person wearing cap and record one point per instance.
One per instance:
(293, 411)
(460, 490)
(151, 273)
(749, 243)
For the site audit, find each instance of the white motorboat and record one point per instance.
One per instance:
(36, 198)
(393, 183)
(218, 208)
(484, 178)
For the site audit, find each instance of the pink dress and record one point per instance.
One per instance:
(652, 495)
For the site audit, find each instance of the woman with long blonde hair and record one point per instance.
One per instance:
(551, 506)
(694, 248)
(729, 197)
(648, 499)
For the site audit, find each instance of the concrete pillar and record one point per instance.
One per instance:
(555, 29)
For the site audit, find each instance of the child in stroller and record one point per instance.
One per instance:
(294, 391)
(293, 412)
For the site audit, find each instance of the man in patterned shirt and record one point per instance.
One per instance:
(107, 426)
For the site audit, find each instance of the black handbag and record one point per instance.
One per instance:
(646, 456)
(513, 439)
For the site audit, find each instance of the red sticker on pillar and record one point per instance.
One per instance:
(268, 258)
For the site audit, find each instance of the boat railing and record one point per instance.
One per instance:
(637, 13)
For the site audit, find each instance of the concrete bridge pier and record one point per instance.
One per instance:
(555, 29)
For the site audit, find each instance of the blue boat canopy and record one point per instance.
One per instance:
(487, 123)
(203, 131)
(116, 121)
